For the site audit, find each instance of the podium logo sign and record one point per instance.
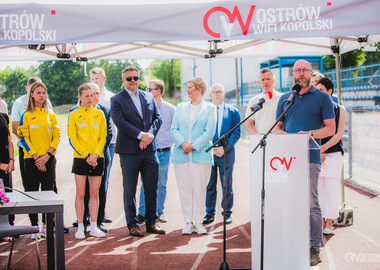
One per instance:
(280, 164)
(279, 172)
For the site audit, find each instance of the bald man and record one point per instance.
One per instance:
(312, 113)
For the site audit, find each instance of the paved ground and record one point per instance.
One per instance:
(354, 247)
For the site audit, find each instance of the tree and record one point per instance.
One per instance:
(13, 83)
(62, 79)
(169, 71)
(353, 58)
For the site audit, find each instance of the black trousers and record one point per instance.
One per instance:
(34, 179)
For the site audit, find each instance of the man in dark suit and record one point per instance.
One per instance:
(227, 117)
(137, 119)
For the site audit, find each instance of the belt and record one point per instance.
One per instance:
(164, 149)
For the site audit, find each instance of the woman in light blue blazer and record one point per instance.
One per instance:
(192, 129)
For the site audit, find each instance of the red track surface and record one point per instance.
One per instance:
(354, 247)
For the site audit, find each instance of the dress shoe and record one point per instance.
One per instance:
(154, 229)
(107, 219)
(208, 219)
(314, 257)
(65, 229)
(228, 219)
(140, 219)
(135, 231)
(161, 218)
(102, 228)
(75, 223)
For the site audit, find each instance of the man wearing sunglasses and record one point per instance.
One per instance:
(312, 113)
(164, 142)
(138, 120)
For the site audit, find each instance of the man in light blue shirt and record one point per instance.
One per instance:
(165, 142)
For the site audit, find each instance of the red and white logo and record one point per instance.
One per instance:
(231, 17)
(280, 164)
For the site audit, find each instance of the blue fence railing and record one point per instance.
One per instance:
(358, 77)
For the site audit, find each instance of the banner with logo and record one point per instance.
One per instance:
(286, 208)
(28, 23)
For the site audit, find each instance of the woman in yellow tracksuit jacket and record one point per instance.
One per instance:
(40, 137)
(87, 131)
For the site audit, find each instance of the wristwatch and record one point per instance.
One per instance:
(49, 154)
(311, 133)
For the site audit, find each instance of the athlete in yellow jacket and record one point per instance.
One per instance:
(87, 131)
(40, 137)
(38, 131)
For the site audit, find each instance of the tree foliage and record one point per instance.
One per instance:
(169, 71)
(62, 79)
(13, 84)
(353, 58)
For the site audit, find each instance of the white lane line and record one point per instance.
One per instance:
(93, 239)
(204, 249)
(377, 244)
(241, 228)
(330, 257)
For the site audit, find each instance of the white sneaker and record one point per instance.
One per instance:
(80, 235)
(328, 231)
(43, 232)
(97, 233)
(33, 235)
(188, 228)
(199, 229)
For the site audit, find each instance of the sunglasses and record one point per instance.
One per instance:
(151, 89)
(135, 78)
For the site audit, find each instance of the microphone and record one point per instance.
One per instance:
(259, 105)
(295, 90)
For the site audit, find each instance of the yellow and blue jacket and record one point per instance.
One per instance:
(87, 131)
(38, 131)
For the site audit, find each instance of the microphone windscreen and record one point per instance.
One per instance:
(297, 87)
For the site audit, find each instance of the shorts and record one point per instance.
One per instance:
(81, 167)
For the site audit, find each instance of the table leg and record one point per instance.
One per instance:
(50, 241)
(60, 243)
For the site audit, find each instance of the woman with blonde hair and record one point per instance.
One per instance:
(39, 134)
(193, 127)
(87, 131)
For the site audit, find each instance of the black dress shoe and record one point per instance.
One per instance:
(102, 228)
(155, 229)
(208, 219)
(135, 231)
(75, 223)
(107, 219)
(140, 219)
(228, 219)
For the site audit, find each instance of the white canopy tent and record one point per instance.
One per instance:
(43, 31)
(83, 30)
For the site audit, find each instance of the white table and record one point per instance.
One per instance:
(47, 202)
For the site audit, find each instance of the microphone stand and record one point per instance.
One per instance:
(224, 142)
(262, 144)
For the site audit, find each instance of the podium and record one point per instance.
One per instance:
(286, 208)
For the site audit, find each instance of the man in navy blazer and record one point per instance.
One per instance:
(227, 118)
(138, 120)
